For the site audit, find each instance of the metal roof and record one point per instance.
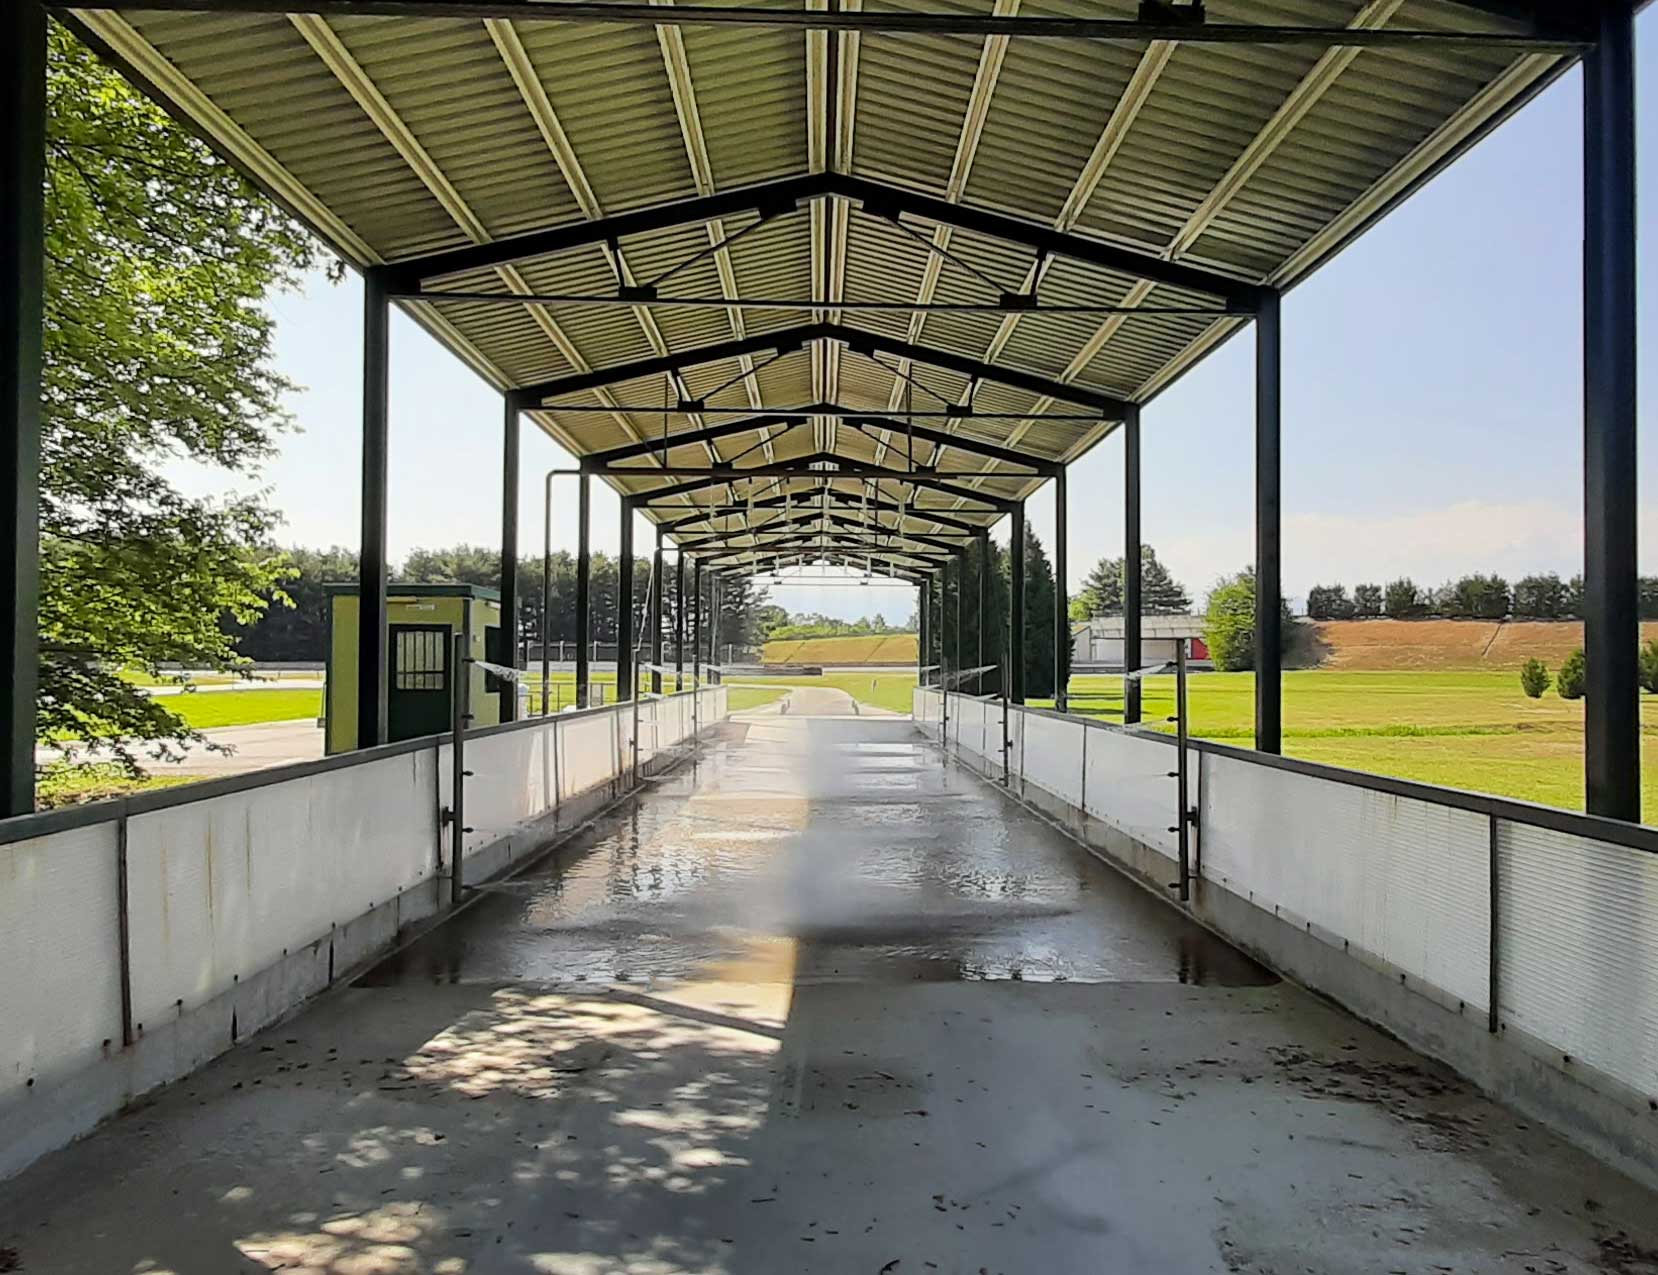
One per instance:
(1139, 187)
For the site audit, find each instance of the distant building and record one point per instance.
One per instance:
(1097, 645)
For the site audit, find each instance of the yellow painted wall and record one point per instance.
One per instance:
(341, 694)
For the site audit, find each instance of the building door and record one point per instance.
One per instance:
(418, 699)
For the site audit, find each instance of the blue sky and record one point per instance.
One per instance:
(1432, 403)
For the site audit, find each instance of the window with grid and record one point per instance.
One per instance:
(420, 660)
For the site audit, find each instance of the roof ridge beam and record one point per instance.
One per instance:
(531, 397)
(771, 198)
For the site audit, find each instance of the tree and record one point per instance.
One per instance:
(1649, 666)
(1229, 622)
(1534, 678)
(157, 347)
(1367, 601)
(1574, 676)
(1160, 592)
(1402, 600)
(1328, 602)
(1039, 620)
(1479, 597)
(295, 627)
(1540, 597)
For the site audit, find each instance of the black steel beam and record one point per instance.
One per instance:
(981, 571)
(962, 442)
(882, 200)
(938, 517)
(674, 491)
(373, 678)
(1611, 628)
(856, 339)
(799, 468)
(1269, 624)
(1132, 572)
(894, 21)
(871, 529)
(584, 585)
(924, 636)
(679, 621)
(596, 461)
(22, 287)
(510, 449)
(1016, 605)
(1062, 600)
(696, 624)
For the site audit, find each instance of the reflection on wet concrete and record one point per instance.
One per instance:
(849, 840)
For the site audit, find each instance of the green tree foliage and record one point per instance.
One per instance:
(1540, 597)
(1402, 600)
(1649, 666)
(157, 347)
(1478, 597)
(295, 627)
(1534, 678)
(1367, 601)
(1229, 622)
(1329, 602)
(1574, 676)
(1160, 592)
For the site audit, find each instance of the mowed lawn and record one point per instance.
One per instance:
(207, 710)
(1471, 730)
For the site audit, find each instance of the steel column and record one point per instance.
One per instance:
(1132, 657)
(924, 638)
(625, 679)
(984, 610)
(696, 625)
(508, 654)
(372, 670)
(1269, 627)
(656, 614)
(714, 601)
(584, 577)
(679, 621)
(1016, 605)
(22, 287)
(1612, 721)
(1062, 601)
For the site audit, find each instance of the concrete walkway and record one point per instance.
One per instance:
(230, 750)
(821, 1004)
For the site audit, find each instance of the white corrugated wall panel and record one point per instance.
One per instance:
(60, 990)
(512, 782)
(1578, 949)
(1053, 756)
(1129, 788)
(220, 888)
(1404, 880)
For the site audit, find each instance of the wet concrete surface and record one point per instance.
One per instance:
(821, 1005)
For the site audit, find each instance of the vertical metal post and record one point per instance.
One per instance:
(656, 614)
(371, 634)
(714, 604)
(1062, 601)
(1494, 923)
(624, 606)
(1132, 572)
(696, 624)
(983, 542)
(679, 621)
(508, 653)
(1183, 822)
(22, 287)
(584, 577)
(1269, 625)
(123, 922)
(1016, 605)
(460, 671)
(547, 598)
(924, 638)
(1612, 722)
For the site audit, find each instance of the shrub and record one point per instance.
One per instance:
(1574, 676)
(1649, 666)
(1367, 601)
(1534, 678)
(1229, 622)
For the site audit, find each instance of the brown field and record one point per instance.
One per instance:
(1382, 645)
(892, 648)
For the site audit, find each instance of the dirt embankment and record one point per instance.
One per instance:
(1381, 645)
(897, 649)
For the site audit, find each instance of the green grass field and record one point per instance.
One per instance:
(211, 709)
(1471, 730)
